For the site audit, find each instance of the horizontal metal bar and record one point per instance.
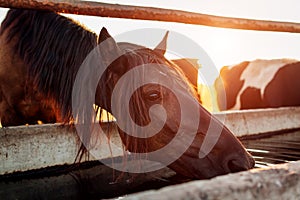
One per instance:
(151, 13)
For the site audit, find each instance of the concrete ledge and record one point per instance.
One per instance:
(25, 148)
(32, 147)
(279, 182)
(257, 121)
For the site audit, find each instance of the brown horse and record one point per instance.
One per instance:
(41, 71)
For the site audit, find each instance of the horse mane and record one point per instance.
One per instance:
(52, 47)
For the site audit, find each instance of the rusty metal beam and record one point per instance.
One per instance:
(150, 13)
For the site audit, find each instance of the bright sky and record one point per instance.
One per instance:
(224, 46)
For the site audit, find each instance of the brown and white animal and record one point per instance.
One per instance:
(259, 84)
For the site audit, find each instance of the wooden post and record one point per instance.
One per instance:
(150, 13)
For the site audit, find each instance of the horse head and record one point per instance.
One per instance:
(159, 113)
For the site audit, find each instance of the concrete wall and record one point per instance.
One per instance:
(279, 182)
(252, 122)
(25, 148)
(33, 147)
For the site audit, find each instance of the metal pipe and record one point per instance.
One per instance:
(150, 13)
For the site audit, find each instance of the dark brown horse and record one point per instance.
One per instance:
(43, 54)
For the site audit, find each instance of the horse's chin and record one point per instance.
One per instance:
(190, 165)
(196, 168)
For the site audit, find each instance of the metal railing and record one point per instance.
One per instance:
(151, 13)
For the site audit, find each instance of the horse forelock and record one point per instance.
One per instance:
(164, 65)
(52, 47)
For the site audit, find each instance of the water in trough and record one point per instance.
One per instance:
(93, 180)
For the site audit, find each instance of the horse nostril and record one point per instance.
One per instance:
(236, 166)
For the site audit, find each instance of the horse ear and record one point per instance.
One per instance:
(162, 46)
(111, 52)
(108, 46)
(111, 45)
(103, 35)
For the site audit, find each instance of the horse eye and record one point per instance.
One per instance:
(153, 95)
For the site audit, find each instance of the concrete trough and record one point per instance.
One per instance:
(34, 147)
(26, 148)
(280, 182)
(261, 121)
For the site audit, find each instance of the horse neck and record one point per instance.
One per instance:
(12, 70)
